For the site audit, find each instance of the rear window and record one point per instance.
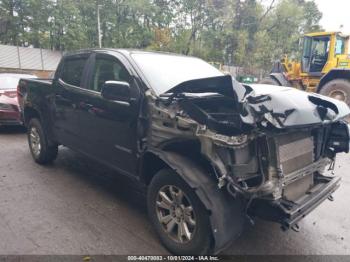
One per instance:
(8, 82)
(72, 71)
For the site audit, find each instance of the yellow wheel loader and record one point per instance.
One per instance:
(324, 67)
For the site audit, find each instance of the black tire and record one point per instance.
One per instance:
(46, 153)
(269, 81)
(338, 89)
(201, 238)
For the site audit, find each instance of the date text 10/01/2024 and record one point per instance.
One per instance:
(173, 258)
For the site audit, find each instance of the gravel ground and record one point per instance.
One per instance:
(77, 207)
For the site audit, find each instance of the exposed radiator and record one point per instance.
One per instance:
(295, 151)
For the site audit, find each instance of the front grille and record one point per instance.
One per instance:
(295, 151)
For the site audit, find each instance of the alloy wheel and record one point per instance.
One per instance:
(176, 214)
(35, 143)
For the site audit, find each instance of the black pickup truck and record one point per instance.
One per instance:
(213, 153)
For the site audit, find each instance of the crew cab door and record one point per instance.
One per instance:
(109, 128)
(68, 84)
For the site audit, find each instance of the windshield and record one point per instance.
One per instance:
(320, 46)
(164, 72)
(315, 53)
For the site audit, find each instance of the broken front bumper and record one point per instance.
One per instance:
(288, 213)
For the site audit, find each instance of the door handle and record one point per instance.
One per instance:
(60, 97)
(65, 101)
(85, 105)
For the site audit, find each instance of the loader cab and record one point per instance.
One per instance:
(321, 52)
(315, 53)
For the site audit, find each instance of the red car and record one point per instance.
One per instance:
(9, 109)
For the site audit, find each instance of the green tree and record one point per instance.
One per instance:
(235, 32)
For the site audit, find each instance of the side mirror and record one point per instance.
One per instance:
(116, 91)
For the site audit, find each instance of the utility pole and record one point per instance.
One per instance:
(99, 27)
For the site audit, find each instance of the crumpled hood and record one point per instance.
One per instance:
(285, 107)
(220, 84)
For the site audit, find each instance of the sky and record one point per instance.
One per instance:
(335, 14)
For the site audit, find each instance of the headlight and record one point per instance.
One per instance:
(6, 107)
(339, 138)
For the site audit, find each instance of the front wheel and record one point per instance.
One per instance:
(41, 151)
(178, 216)
(338, 89)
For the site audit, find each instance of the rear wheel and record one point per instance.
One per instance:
(178, 216)
(338, 89)
(269, 81)
(42, 152)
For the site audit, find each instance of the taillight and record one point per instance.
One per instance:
(18, 90)
(6, 107)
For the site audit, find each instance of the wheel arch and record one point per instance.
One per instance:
(151, 164)
(332, 75)
(32, 112)
(29, 113)
(227, 221)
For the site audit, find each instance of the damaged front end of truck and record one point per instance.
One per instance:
(267, 146)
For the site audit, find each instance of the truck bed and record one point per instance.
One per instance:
(33, 90)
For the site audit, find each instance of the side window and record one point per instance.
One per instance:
(107, 69)
(307, 47)
(340, 46)
(72, 71)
